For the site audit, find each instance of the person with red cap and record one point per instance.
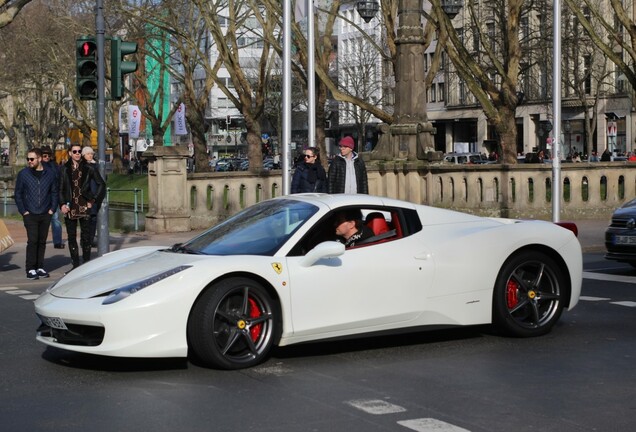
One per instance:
(347, 172)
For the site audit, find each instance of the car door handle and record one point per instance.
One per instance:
(423, 256)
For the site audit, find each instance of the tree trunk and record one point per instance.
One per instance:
(197, 129)
(254, 144)
(507, 130)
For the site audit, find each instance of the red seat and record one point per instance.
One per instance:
(377, 223)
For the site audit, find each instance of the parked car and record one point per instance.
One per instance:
(620, 236)
(225, 165)
(274, 274)
(465, 158)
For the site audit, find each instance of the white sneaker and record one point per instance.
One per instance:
(33, 275)
(42, 273)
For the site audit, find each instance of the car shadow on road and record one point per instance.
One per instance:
(376, 342)
(111, 364)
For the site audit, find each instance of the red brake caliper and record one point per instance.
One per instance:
(512, 290)
(255, 312)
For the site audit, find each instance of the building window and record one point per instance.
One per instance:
(441, 92)
(490, 29)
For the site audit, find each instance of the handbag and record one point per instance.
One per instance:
(5, 238)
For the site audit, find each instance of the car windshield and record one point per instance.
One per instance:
(258, 230)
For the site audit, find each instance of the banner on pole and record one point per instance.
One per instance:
(134, 121)
(180, 121)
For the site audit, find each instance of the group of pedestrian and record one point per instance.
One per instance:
(347, 172)
(43, 189)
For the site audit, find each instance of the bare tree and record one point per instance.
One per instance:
(613, 33)
(361, 77)
(491, 67)
(9, 9)
(149, 24)
(586, 74)
(235, 27)
(37, 83)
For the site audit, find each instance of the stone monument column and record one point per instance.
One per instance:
(167, 190)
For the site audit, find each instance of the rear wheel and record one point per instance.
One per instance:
(529, 295)
(232, 325)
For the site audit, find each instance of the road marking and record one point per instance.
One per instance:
(375, 406)
(608, 277)
(18, 292)
(587, 298)
(8, 288)
(430, 425)
(30, 296)
(625, 303)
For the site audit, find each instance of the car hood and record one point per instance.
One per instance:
(119, 269)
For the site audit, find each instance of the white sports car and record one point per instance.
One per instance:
(274, 274)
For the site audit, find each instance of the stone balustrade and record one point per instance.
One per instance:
(589, 190)
(179, 201)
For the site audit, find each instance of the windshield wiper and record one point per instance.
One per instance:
(181, 248)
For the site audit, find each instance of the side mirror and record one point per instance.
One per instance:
(328, 249)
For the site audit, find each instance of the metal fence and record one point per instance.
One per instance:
(138, 202)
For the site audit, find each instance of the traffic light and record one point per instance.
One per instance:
(86, 67)
(119, 67)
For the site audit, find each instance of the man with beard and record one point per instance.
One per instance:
(36, 196)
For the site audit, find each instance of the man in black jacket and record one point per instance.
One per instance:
(77, 198)
(347, 172)
(36, 197)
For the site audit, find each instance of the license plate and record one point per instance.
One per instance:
(624, 240)
(56, 323)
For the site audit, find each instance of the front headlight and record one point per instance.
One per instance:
(130, 289)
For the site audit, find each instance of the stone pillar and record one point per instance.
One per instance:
(410, 136)
(169, 210)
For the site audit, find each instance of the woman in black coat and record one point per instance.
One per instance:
(309, 176)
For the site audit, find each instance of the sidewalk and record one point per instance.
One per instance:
(57, 261)
(591, 236)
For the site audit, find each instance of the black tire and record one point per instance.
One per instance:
(232, 325)
(529, 295)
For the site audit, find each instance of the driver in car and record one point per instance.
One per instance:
(350, 229)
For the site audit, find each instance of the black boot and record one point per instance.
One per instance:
(72, 248)
(86, 254)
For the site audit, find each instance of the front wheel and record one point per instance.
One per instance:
(529, 295)
(232, 325)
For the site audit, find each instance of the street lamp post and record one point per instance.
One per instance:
(410, 136)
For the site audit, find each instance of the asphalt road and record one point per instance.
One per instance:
(577, 378)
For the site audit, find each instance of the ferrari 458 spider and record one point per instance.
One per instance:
(275, 274)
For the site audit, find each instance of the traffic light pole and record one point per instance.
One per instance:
(102, 217)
